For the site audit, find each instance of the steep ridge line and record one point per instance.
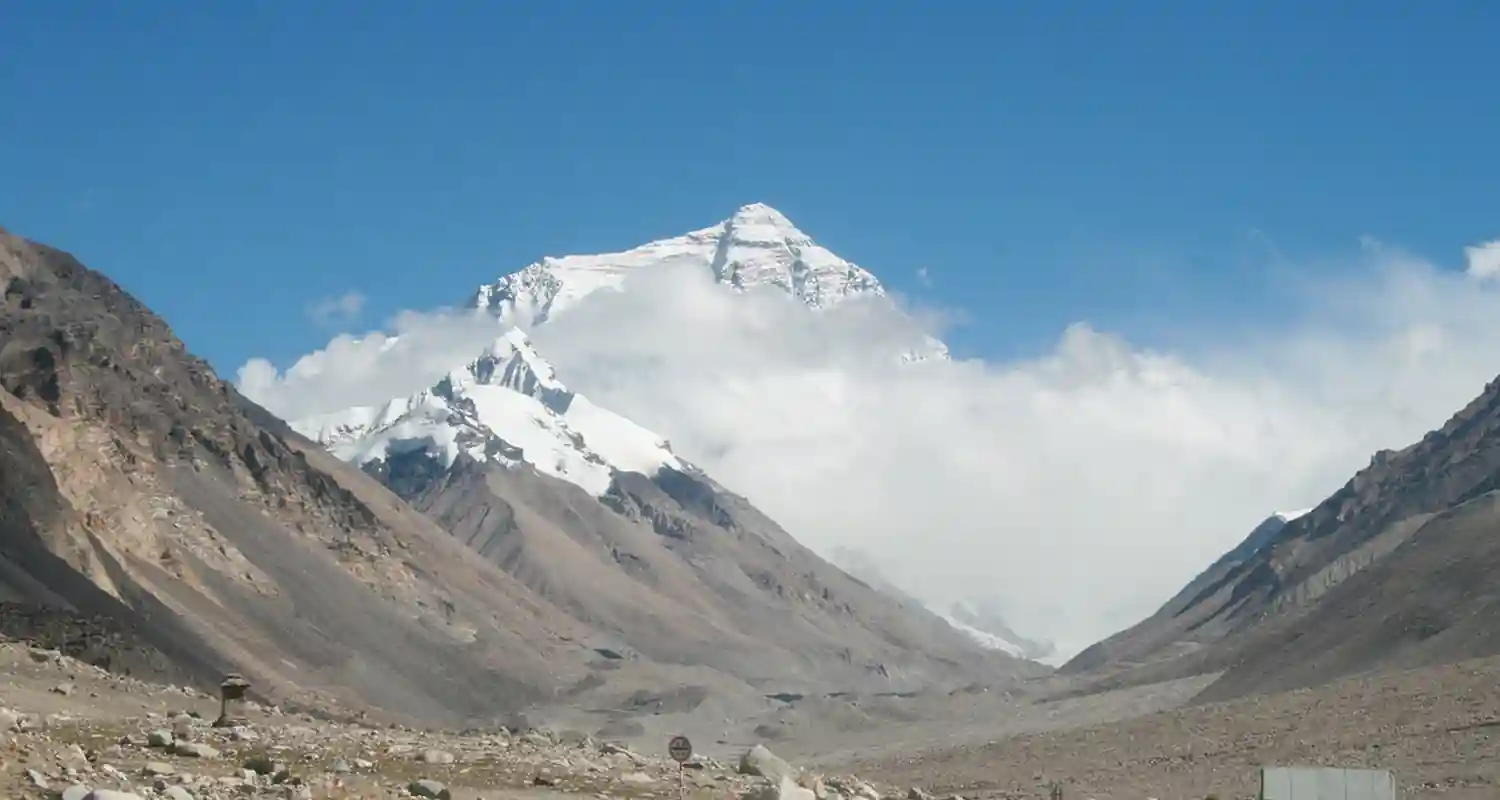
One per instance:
(1380, 574)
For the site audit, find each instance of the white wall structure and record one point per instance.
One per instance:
(1326, 783)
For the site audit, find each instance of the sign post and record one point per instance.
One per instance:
(680, 749)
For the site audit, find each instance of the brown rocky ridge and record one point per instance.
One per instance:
(1395, 570)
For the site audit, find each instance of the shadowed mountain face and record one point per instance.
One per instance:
(1394, 570)
(138, 488)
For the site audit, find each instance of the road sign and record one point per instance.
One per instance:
(680, 749)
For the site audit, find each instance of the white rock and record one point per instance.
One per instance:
(195, 750)
(436, 757)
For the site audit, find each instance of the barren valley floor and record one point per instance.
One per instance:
(69, 724)
(1438, 729)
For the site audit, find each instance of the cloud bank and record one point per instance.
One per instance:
(1079, 489)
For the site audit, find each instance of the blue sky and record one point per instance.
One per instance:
(1143, 165)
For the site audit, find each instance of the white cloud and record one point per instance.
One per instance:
(1081, 488)
(1484, 260)
(371, 368)
(341, 310)
(924, 277)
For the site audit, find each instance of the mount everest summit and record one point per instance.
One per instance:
(509, 399)
(756, 247)
(507, 408)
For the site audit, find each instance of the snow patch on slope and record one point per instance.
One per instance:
(978, 620)
(985, 639)
(986, 616)
(507, 406)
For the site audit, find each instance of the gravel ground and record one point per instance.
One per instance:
(67, 728)
(67, 724)
(1438, 729)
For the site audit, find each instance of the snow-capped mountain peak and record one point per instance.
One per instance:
(506, 406)
(761, 214)
(757, 246)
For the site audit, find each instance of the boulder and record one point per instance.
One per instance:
(436, 757)
(429, 788)
(761, 762)
(194, 750)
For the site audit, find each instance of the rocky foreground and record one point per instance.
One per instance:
(74, 731)
(1437, 729)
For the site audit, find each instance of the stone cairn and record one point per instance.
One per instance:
(231, 701)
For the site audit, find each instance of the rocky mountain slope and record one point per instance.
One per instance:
(602, 519)
(1393, 570)
(136, 484)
